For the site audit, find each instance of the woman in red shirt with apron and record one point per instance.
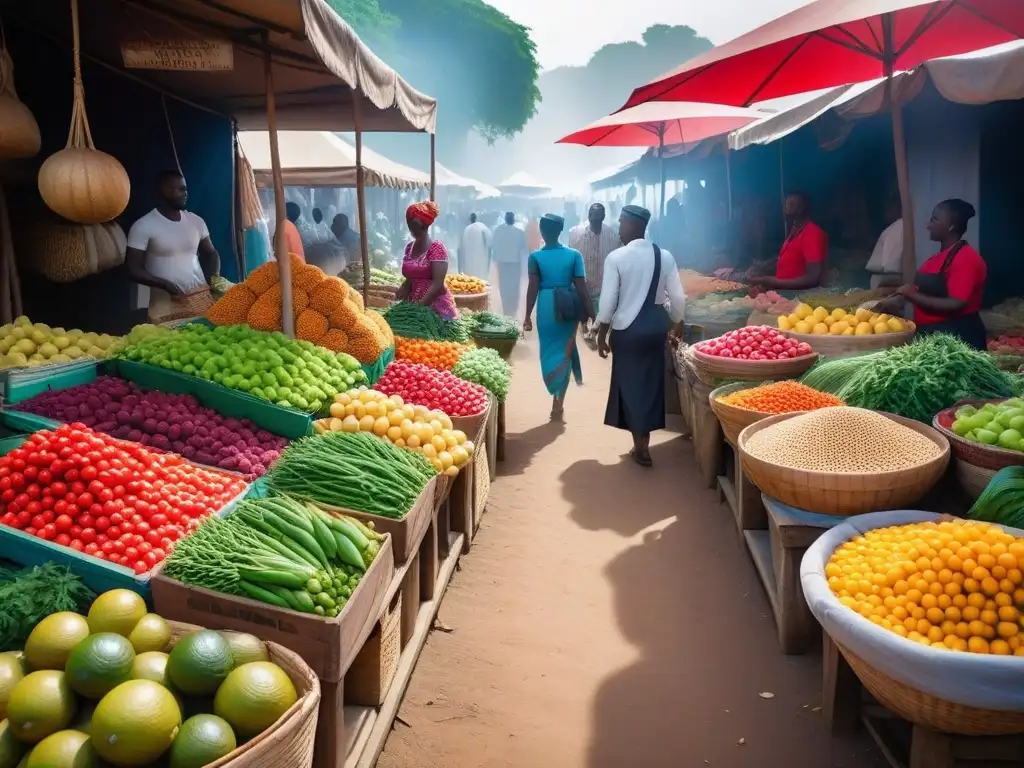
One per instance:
(801, 262)
(947, 290)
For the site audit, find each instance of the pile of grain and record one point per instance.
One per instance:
(841, 439)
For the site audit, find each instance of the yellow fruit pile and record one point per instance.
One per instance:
(460, 283)
(408, 426)
(327, 311)
(953, 584)
(23, 343)
(839, 322)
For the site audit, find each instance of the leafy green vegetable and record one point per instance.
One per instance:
(924, 377)
(1002, 501)
(415, 321)
(29, 595)
(485, 367)
(831, 375)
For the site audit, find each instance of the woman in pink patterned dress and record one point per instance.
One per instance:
(426, 263)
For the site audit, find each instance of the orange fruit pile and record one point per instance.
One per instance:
(953, 584)
(781, 397)
(442, 355)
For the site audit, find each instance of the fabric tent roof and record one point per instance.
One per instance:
(317, 60)
(994, 74)
(322, 159)
(448, 178)
(521, 183)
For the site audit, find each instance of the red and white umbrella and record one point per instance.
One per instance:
(829, 43)
(657, 124)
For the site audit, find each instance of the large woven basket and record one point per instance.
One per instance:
(843, 493)
(473, 301)
(733, 418)
(910, 680)
(752, 370)
(189, 305)
(289, 741)
(839, 346)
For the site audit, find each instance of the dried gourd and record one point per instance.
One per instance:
(19, 131)
(265, 314)
(378, 319)
(310, 326)
(233, 307)
(306, 276)
(326, 296)
(344, 315)
(300, 300)
(263, 278)
(335, 340)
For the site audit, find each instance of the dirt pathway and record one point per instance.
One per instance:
(607, 617)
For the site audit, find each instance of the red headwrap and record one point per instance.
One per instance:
(424, 212)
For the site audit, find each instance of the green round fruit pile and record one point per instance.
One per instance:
(293, 374)
(996, 424)
(485, 367)
(111, 687)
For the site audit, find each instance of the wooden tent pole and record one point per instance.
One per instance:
(661, 156)
(433, 168)
(728, 177)
(284, 264)
(364, 247)
(900, 148)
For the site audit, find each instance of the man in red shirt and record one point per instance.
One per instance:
(801, 262)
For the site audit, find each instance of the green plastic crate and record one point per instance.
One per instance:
(23, 383)
(376, 369)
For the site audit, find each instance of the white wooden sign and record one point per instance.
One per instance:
(179, 55)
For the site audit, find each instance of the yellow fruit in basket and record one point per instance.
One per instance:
(429, 450)
(366, 423)
(460, 436)
(896, 325)
(350, 424)
(839, 327)
(343, 397)
(337, 410)
(394, 433)
(439, 443)
(802, 327)
(838, 314)
(784, 323)
(820, 313)
(459, 455)
(848, 332)
(449, 438)
(381, 426)
(396, 417)
(881, 328)
(802, 310)
(412, 441)
(820, 329)
(864, 329)
(862, 315)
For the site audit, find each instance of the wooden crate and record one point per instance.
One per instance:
(460, 505)
(491, 438)
(742, 496)
(481, 485)
(706, 432)
(499, 453)
(847, 706)
(777, 553)
(329, 646)
(370, 675)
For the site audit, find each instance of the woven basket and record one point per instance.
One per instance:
(289, 741)
(752, 370)
(733, 418)
(981, 456)
(471, 424)
(838, 346)
(757, 317)
(473, 301)
(971, 479)
(503, 347)
(842, 493)
(369, 678)
(932, 712)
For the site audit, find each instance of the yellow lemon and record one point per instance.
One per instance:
(881, 327)
(864, 329)
(820, 314)
(784, 324)
(862, 315)
(883, 318)
(838, 314)
(839, 327)
(829, 321)
(849, 331)
(820, 329)
(895, 324)
(803, 311)
(802, 327)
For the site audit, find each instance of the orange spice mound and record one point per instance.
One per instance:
(781, 397)
(442, 355)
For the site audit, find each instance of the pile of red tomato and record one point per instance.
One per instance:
(754, 342)
(442, 390)
(112, 499)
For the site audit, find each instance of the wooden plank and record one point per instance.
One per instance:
(329, 744)
(840, 690)
(389, 709)
(500, 448)
(429, 563)
(358, 724)
(461, 505)
(759, 544)
(443, 529)
(410, 607)
(931, 749)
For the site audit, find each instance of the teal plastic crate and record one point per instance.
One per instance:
(99, 575)
(376, 369)
(26, 423)
(23, 383)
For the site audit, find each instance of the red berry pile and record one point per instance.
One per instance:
(421, 385)
(112, 499)
(754, 342)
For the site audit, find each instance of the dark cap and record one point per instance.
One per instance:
(636, 211)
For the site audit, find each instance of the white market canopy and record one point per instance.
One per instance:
(523, 184)
(994, 74)
(322, 159)
(450, 179)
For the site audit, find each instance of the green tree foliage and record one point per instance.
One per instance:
(479, 64)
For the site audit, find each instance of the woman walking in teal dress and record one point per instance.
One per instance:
(558, 289)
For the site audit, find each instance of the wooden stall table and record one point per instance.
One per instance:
(742, 496)
(846, 706)
(777, 553)
(499, 451)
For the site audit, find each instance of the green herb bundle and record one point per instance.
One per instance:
(415, 321)
(30, 595)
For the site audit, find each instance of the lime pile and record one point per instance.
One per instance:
(113, 688)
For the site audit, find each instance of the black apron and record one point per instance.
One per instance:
(969, 328)
(636, 396)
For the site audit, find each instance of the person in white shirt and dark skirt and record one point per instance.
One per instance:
(641, 291)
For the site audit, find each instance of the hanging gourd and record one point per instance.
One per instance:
(19, 131)
(81, 183)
